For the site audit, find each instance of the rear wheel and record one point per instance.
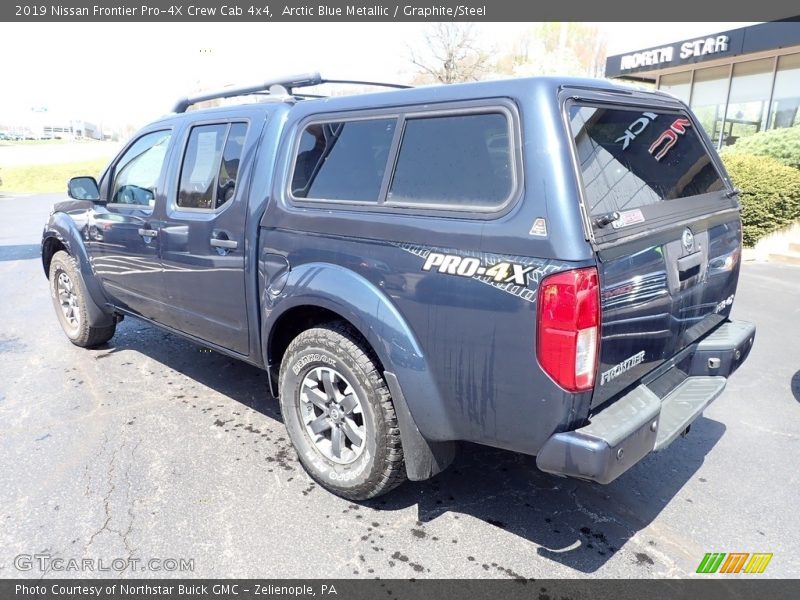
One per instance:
(339, 414)
(69, 299)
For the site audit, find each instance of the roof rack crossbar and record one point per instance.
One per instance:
(398, 86)
(292, 81)
(286, 83)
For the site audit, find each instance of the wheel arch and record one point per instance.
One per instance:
(61, 233)
(50, 245)
(292, 323)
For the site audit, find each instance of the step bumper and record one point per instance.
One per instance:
(640, 422)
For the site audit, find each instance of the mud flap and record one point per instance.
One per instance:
(423, 459)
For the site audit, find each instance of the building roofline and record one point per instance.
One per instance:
(763, 37)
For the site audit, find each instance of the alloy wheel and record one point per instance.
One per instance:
(333, 415)
(68, 300)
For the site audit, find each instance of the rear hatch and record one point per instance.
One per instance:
(665, 227)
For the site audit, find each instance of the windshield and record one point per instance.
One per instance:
(632, 158)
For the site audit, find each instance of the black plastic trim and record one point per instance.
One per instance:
(423, 459)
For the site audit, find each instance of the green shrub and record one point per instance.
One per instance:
(770, 193)
(781, 144)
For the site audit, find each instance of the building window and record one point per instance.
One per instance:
(708, 98)
(747, 107)
(677, 84)
(786, 97)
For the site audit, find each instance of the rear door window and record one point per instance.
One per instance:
(642, 163)
(200, 167)
(211, 166)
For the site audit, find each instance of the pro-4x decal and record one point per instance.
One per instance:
(515, 275)
(468, 266)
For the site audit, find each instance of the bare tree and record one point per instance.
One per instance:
(556, 48)
(451, 54)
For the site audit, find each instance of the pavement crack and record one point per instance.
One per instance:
(131, 517)
(118, 487)
(107, 498)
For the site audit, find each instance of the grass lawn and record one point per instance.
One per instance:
(31, 142)
(47, 178)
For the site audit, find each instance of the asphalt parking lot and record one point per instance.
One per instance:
(152, 448)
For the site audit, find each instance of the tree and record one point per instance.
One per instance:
(557, 49)
(451, 54)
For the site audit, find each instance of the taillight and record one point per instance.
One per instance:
(568, 327)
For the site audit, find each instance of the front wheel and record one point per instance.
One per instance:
(339, 414)
(69, 299)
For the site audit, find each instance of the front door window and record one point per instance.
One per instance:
(136, 173)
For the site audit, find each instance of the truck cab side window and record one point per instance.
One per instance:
(211, 165)
(200, 170)
(229, 168)
(137, 171)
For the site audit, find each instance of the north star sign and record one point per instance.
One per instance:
(686, 50)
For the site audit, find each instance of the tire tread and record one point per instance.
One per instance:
(342, 336)
(88, 336)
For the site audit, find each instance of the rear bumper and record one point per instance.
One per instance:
(640, 422)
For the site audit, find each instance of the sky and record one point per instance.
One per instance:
(120, 73)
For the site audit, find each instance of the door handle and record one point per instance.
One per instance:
(151, 233)
(689, 262)
(226, 244)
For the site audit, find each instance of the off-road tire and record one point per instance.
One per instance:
(80, 330)
(380, 467)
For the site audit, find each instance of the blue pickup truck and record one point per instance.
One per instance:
(545, 265)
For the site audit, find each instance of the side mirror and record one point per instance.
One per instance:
(83, 188)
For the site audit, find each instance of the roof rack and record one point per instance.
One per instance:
(286, 84)
(278, 87)
(398, 86)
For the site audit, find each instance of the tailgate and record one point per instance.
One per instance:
(666, 230)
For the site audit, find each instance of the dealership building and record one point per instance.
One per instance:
(737, 82)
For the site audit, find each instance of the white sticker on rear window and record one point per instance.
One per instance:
(628, 217)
